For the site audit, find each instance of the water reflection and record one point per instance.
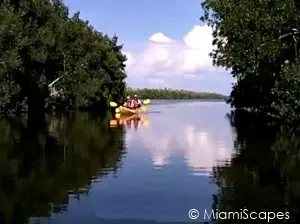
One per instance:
(48, 168)
(132, 121)
(43, 167)
(264, 174)
(203, 141)
(155, 181)
(203, 152)
(69, 152)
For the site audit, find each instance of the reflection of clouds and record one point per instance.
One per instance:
(199, 153)
(148, 139)
(158, 145)
(129, 136)
(201, 149)
(161, 154)
(202, 152)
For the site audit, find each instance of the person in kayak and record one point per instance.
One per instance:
(137, 102)
(128, 103)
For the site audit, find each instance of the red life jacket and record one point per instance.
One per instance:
(130, 104)
(133, 104)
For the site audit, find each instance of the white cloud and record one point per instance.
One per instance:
(177, 63)
(160, 38)
(166, 56)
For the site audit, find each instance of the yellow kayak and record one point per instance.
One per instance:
(127, 111)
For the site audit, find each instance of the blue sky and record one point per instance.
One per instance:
(166, 43)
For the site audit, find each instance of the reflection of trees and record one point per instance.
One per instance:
(39, 167)
(264, 174)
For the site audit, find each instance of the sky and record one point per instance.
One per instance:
(165, 42)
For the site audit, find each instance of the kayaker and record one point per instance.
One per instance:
(137, 102)
(128, 103)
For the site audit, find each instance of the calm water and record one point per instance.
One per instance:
(181, 155)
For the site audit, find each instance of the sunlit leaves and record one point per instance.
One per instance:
(253, 39)
(39, 43)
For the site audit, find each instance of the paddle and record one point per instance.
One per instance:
(114, 104)
(146, 102)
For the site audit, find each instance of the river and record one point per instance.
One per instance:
(182, 155)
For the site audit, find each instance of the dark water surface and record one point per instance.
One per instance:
(182, 155)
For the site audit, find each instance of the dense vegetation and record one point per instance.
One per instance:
(39, 44)
(257, 41)
(172, 94)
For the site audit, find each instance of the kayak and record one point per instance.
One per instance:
(127, 111)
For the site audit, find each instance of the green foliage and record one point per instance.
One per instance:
(253, 39)
(171, 94)
(40, 43)
(287, 94)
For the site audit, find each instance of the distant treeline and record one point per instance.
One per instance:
(172, 94)
(49, 58)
